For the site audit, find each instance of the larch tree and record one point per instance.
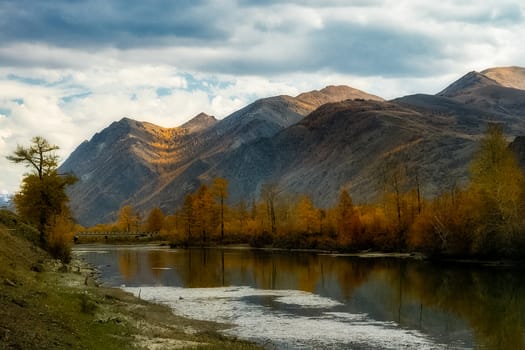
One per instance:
(307, 214)
(348, 224)
(42, 195)
(188, 216)
(498, 183)
(127, 218)
(203, 210)
(155, 220)
(219, 189)
(269, 194)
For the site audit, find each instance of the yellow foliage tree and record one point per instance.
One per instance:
(498, 184)
(128, 220)
(155, 220)
(307, 215)
(220, 191)
(348, 224)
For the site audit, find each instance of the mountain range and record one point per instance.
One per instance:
(316, 143)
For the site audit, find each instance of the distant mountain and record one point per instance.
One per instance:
(491, 92)
(315, 143)
(347, 144)
(147, 165)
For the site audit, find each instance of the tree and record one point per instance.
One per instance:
(348, 224)
(154, 220)
(307, 215)
(242, 214)
(188, 215)
(40, 156)
(127, 219)
(203, 211)
(42, 194)
(220, 191)
(498, 184)
(269, 195)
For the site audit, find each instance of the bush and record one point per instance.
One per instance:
(59, 236)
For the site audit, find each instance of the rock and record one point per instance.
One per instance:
(9, 283)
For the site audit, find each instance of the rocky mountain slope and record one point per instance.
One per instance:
(147, 165)
(315, 143)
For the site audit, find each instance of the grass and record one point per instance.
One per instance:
(43, 308)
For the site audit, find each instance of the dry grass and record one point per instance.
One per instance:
(47, 305)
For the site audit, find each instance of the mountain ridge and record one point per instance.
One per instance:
(315, 143)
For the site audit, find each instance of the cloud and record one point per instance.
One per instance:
(119, 23)
(70, 68)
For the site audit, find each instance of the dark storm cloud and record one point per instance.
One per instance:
(120, 23)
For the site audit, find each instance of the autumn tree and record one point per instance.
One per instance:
(155, 220)
(128, 219)
(40, 157)
(203, 211)
(498, 184)
(188, 216)
(42, 195)
(242, 214)
(307, 215)
(269, 192)
(220, 191)
(348, 224)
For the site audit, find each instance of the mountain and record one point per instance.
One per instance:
(315, 143)
(200, 122)
(348, 144)
(512, 77)
(148, 165)
(491, 92)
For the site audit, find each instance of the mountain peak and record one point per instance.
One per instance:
(334, 93)
(512, 77)
(470, 81)
(200, 122)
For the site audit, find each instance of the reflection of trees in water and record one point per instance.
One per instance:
(491, 300)
(157, 260)
(128, 263)
(266, 270)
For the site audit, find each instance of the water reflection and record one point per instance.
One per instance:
(462, 306)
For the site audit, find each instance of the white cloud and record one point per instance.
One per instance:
(66, 83)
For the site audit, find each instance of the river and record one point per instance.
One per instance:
(299, 300)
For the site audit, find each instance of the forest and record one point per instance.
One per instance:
(485, 218)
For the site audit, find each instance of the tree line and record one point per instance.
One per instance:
(485, 218)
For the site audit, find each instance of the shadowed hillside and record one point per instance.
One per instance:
(316, 143)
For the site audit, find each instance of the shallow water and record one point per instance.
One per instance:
(309, 301)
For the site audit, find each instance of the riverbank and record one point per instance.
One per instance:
(48, 305)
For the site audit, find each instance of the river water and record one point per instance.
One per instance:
(289, 300)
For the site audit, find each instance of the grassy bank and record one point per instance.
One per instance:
(47, 305)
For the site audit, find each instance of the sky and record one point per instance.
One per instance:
(68, 68)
